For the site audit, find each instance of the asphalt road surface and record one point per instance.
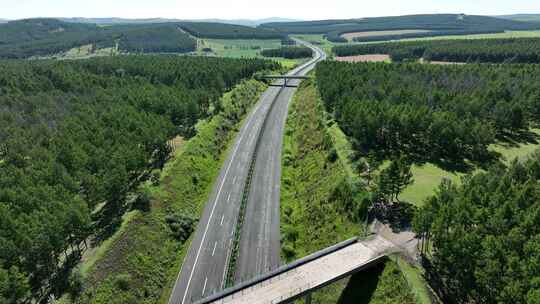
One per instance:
(260, 240)
(205, 265)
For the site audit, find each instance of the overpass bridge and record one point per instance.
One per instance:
(302, 277)
(285, 79)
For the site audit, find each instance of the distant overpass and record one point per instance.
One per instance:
(302, 277)
(285, 79)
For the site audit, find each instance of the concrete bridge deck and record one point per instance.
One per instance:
(300, 279)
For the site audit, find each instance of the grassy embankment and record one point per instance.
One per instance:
(243, 48)
(317, 210)
(140, 262)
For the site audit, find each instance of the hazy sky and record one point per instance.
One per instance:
(253, 9)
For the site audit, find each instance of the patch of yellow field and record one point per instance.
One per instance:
(351, 36)
(365, 58)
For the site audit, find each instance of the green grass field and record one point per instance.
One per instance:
(509, 152)
(237, 48)
(427, 177)
(243, 48)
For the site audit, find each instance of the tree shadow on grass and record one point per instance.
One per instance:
(106, 223)
(361, 286)
(514, 139)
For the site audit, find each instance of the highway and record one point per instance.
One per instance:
(204, 268)
(260, 241)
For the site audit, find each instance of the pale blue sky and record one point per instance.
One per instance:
(252, 9)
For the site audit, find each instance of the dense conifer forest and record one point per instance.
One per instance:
(288, 52)
(387, 37)
(76, 137)
(433, 113)
(455, 23)
(518, 50)
(43, 36)
(228, 31)
(482, 238)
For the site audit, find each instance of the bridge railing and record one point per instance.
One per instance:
(274, 275)
(286, 78)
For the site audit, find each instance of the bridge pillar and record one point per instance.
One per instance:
(308, 298)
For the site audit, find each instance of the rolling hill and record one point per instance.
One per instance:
(522, 17)
(45, 36)
(41, 37)
(113, 20)
(449, 23)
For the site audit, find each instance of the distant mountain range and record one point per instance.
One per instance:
(521, 17)
(105, 21)
(3, 20)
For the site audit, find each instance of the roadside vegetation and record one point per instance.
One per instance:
(318, 206)
(324, 202)
(78, 137)
(148, 254)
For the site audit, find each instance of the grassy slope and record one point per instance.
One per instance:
(312, 218)
(143, 252)
(312, 215)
